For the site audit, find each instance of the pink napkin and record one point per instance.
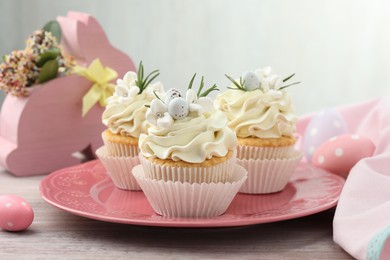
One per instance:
(362, 220)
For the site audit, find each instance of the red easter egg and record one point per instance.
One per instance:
(15, 213)
(340, 153)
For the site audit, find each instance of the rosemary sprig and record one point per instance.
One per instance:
(209, 90)
(289, 77)
(154, 92)
(291, 84)
(191, 82)
(141, 82)
(239, 86)
(201, 86)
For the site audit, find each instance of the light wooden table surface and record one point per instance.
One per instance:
(59, 234)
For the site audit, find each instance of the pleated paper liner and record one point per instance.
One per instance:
(257, 152)
(202, 200)
(218, 173)
(268, 176)
(119, 150)
(119, 169)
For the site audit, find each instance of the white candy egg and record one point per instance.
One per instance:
(15, 213)
(178, 108)
(171, 94)
(251, 81)
(323, 126)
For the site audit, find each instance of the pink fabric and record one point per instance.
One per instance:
(363, 210)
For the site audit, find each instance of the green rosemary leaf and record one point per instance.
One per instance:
(147, 78)
(295, 83)
(200, 94)
(138, 82)
(141, 82)
(208, 91)
(148, 106)
(154, 92)
(201, 86)
(242, 83)
(141, 70)
(289, 77)
(192, 81)
(151, 79)
(234, 82)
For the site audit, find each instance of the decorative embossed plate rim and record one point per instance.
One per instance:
(86, 190)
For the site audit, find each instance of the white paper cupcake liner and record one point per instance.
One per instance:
(119, 169)
(218, 173)
(268, 176)
(202, 200)
(117, 149)
(256, 152)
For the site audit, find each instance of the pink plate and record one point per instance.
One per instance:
(86, 190)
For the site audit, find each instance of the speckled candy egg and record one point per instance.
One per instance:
(251, 81)
(178, 108)
(340, 153)
(323, 126)
(171, 94)
(15, 213)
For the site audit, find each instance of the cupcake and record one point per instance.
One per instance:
(125, 112)
(261, 114)
(188, 156)
(125, 118)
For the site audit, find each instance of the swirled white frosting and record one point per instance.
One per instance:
(258, 114)
(192, 139)
(125, 110)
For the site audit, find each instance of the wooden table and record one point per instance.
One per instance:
(56, 233)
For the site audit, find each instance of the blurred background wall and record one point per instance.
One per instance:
(339, 50)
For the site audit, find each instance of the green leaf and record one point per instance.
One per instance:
(200, 86)
(154, 92)
(146, 83)
(238, 86)
(142, 82)
(213, 88)
(289, 77)
(4, 57)
(55, 29)
(192, 81)
(295, 83)
(49, 71)
(48, 55)
(200, 94)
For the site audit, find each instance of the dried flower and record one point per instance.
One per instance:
(18, 72)
(21, 70)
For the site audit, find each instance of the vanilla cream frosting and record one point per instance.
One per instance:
(259, 114)
(125, 110)
(192, 139)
